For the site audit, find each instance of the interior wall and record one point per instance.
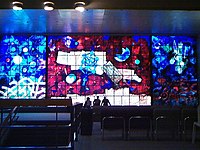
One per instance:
(198, 62)
(86, 65)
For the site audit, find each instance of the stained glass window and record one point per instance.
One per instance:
(114, 66)
(174, 70)
(22, 67)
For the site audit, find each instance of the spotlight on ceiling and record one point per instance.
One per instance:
(48, 6)
(80, 6)
(17, 5)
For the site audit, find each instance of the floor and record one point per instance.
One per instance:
(95, 142)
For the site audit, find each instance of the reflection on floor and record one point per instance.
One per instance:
(95, 142)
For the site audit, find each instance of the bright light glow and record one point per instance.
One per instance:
(17, 5)
(48, 6)
(70, 78)
(182, 63)
(17, 8)
(80, 6)
(17, 59)
(25, 49)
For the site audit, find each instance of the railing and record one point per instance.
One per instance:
(69, 124)
(7, 122)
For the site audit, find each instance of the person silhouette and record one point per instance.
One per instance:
(87, 103)
(105, 102)
(96, 101)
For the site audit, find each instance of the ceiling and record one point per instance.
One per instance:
(103, 16)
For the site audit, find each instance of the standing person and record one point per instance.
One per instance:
(70, 100)
(87, 103)
(105, 102)
(97, 101)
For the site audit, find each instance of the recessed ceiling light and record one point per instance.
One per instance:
(48, 6)
(80, 6)
(17, 5)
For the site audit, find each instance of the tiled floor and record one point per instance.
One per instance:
(95, 142)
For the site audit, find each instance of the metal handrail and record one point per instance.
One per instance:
(7, 122)
(36, 147)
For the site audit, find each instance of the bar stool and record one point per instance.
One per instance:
(140, 122)
(113, 123)
(195, 125)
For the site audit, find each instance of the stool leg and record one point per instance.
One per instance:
(194, 133)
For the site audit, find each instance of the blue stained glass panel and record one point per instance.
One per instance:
(174, 71)
(22, 67)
